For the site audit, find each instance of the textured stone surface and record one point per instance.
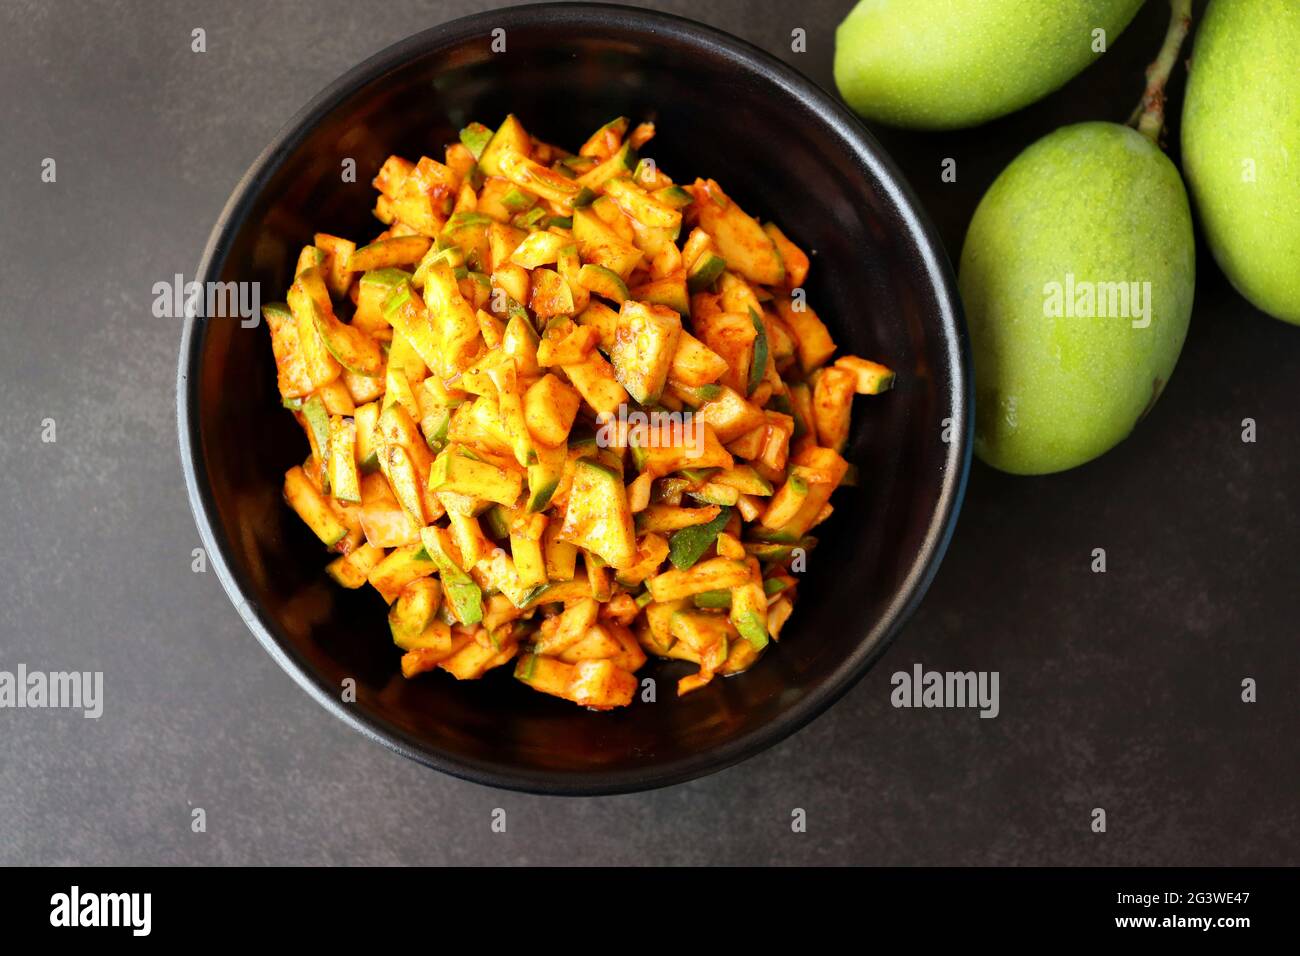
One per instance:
(1118, 690)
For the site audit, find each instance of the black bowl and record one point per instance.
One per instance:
(787, 151)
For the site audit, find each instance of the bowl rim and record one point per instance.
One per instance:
(938, 272)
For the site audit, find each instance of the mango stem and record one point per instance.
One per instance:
(1149, 117)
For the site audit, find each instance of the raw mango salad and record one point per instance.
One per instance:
(565, 413)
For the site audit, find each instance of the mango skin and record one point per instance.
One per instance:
(948, 64)
(1101, 202)
(1243, 104)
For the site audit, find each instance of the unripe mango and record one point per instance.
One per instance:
(1077, 276)
(1241, 146)
(947, 64)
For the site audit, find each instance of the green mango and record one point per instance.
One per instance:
(1241, 146)
(948, 64)
(1077, 276)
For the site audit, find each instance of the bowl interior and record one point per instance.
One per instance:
(784, 155)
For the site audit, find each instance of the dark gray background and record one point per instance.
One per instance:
(1119, 690)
